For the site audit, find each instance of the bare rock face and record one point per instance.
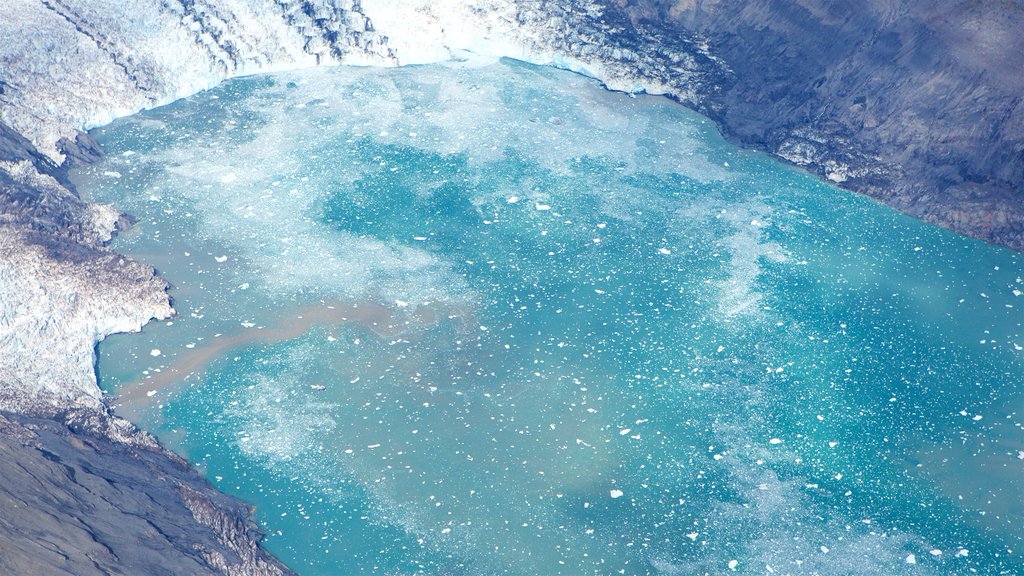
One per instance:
(77, 503)
(917, 103)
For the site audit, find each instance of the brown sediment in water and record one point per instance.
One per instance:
(135, 397)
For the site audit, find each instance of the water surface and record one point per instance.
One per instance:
(492, 319)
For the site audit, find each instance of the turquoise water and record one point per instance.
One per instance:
(492, 319)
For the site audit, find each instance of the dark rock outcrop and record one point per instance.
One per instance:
(919, 104)
(76, 502)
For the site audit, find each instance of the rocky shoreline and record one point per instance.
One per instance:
(916, 104)
(85, 493)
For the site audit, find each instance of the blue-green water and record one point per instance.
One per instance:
(495, 320)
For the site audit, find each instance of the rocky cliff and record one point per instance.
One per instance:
(919, 104)
(82, 499)
(915, 103)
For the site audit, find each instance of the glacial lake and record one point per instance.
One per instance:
(489, 318)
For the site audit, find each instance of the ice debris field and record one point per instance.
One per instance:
(489, 318)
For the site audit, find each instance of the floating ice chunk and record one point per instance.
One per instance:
(693, 536)
(935, 552)
(248, 324)
(824, 549)
(540, 206)
(401, 303)
(733, 564)
(1020, 454)
(775, 441)
(228, 178)
(664, 251)
(911, 559)
(419, 238)
(962, 553)
(154, 352)
(221, 258)
(512, 199)
(615, 493)
(151, 393)
(624, 431)
(111, 174)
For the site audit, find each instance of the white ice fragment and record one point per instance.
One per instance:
(401, 303)
(911, 559)
(624, 431)
(419, 238)
(664, 251)
(111, 174)
(228, 178)
(598, 291)
(190, 345)
(775, 441)
(248, 324)
(154, 352)
(693, 536)
(540, 206)
(733, 564)
(151, 393)
(935, 552)
(824, 549)
(615, 493)
(1020, 454)
(962, 553)
(221, 258)
(512, 199)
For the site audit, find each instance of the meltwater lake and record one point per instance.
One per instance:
(490, 318)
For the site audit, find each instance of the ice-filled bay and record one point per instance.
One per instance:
(488, 318)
